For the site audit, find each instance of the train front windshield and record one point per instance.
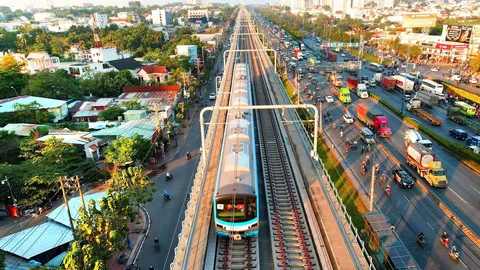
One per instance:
(244, 209)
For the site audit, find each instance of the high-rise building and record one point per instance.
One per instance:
(381, 4)
(194, 2)
(161, 17)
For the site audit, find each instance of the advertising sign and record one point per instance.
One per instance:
(458, 33)
(422, 20)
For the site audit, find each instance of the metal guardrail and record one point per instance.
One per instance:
(319, 164)
(185, 236)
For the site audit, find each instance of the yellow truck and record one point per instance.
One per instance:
(423, 160)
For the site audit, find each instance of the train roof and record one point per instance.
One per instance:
(237, 173)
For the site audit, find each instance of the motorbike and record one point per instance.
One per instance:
(388, 191)
(157, 247)
(454, 255)
(168, 177)
(421, 242)
(168, 197)
(444, 241)
(188, 157)
(363, 171)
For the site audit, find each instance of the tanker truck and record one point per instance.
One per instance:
(423, 160)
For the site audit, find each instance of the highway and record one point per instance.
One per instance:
(411, 211)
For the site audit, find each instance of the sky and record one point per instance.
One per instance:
(21, 4)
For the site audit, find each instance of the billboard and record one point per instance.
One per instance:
(422, 20)
(457, 33)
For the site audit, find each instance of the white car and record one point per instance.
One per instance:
(372, 83)
(474, 148)
(212, 96)
(342, 55)
(473, 80)
(435, 69)
(329, 99)
(456, 77)
(347, 118)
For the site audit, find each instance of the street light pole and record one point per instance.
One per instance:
(406, 72)
(11, 192)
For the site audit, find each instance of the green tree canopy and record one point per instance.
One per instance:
(9, 147)
(111, 113)
(30, 113)
(11, 83)
(58, 84)
(132, 104)
(124, 150)
(108, 84)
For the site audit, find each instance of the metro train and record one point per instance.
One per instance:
(235, 204)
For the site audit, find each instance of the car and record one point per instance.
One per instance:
(458, 134)
(364, 78)
(474, 148)
(329, 99)
(435, 69)
(366, 82)
(455, 77)
(347, 118)
(346, 60)
(473, 80)
(212, 96)
(373, 83)
(342, 55)
(403, 178)
(478, 85)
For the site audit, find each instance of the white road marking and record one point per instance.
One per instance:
(475, 189)
(464, 264)
(457, 195)
(406, 199)
(430, 226)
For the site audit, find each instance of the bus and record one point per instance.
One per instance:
(465, 109)
(376, 67)
(431, 86)
(344, 95)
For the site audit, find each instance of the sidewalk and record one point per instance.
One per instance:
(138, 232)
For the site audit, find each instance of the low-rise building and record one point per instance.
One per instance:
(134, 115)
(86, 116)
(144, 127)
(198, 14)
(37, 61)
(79, 139)
(58, 108)
(153, 73)
(102, 104)
(188, 50)
(22, 130)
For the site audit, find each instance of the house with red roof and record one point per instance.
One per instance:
(153, 73)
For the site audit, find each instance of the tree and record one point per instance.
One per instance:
(11, 83)
(475, 63)
(2, 260)
(124, 150)
(415, 51)
(8, 40)
(31, 113)
(100, 232)
(58, 84)
(8, 62)
(9, 147)
(59, 45)
(111, 113)
(137, 186)
(108, 84)
(132, 104)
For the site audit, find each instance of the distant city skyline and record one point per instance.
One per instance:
(22, 4)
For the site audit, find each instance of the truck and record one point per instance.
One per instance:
(336, 79)
(302, 45)
(332, 57)
(403, 83)
(388, 83)
(414, 106)
(413, 136)
(312, 60)
(344, 95)
(428, 99)
(298, 54)
(374, 120)
(362, 90)
(423, 160)
(455, 114)
(352, 83)
(377, 77)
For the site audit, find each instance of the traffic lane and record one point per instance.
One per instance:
(458, 193)
(354, 158)
(166, 216)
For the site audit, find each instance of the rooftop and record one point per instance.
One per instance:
(37, 240)
(149, 69)
(7, 105)
(86, 113)
(103, 102)
(156, 88)
(124, 64)
(133, 112)
(38, 55)
(21, 129)
(72, 138)
(144, 127)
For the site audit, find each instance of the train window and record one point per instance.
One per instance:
(244, 209)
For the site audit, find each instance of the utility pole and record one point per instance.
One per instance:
(406, 72)
(65, 199)
(372, 185)
(321, 117)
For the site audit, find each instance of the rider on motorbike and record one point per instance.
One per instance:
(383, 177)
(189, 155)
(421, 237)
(165, 194)
(168, 175)
(444, 237)
(388, 190)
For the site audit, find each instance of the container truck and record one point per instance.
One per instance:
(428, 99)
(336, 79)
(413, 136)
(388, 83)
(374, 119)
(377, 77)
(403, 83)
(332, 57)
(414, 106)
(362, 90)
(352, 83)
(423, 160)
(344, 95)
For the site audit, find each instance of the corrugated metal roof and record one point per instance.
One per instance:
(60, 214)
(103, 102)
(79, 139)
(143, 127)
(36, 240)
(7, 105)
(86, 113)
(21, 129)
